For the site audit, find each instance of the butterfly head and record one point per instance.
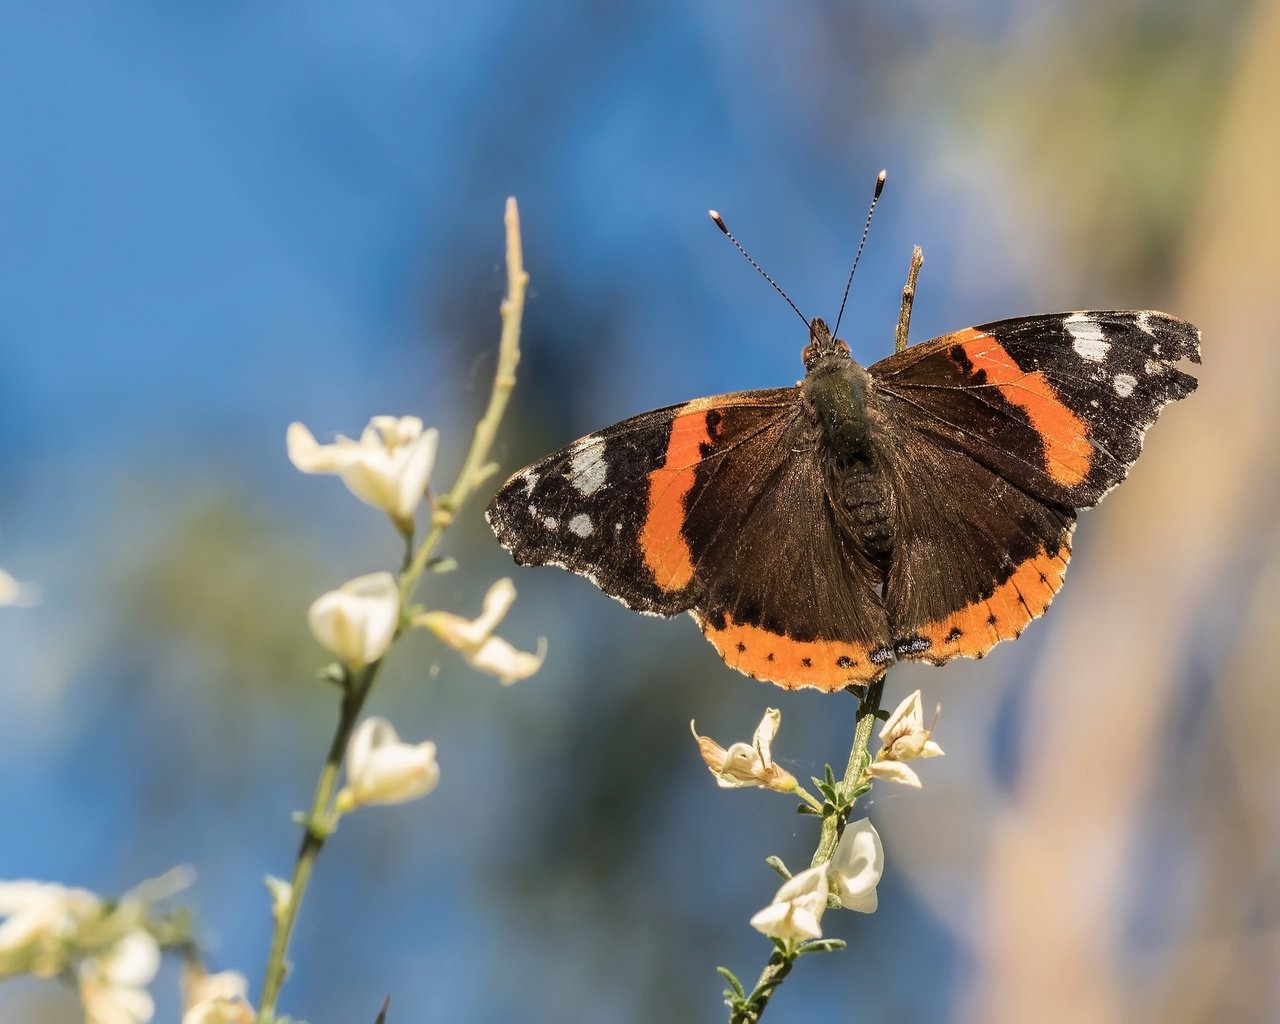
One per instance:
(822, 345)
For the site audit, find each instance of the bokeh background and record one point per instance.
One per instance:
(215, 219)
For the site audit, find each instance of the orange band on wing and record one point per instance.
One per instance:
(826, 664)
(1067, 451)
(662, 542)
(976, 628)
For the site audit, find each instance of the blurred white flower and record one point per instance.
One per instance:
(383, 770)
(216, 998)
(387, 468)
(796, 910)
(747, 764)
(358, 621)
(113, 986)
(856, 866)
(475, 640)
(904, 738)
(281, 893)
(40, 919)
(13, 593)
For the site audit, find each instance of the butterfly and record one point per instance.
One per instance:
(920, 509)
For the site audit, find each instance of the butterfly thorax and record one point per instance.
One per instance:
(836, 390)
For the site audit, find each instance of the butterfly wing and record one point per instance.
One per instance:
(999, 433)
(717, 507)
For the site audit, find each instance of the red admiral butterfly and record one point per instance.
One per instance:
(920, 509)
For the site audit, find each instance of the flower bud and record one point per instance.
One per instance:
(383, 770)
(358, 621)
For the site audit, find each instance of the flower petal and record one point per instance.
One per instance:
(857, 865)
(765, 732)
(796, 910)
(497, 657)
(358, 621)
(309, 456)
(908, 716)
(894, 771)
(383, 770)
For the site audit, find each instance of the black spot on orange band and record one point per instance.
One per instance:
(777, 658)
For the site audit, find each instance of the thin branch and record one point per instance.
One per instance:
(475, 469)
(908, 297)
(321, 819)
(751, 1009)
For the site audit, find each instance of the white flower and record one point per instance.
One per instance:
(113, 987)
(796, 910)
(39, 919)
(904, 738)
(475, 639)
(13, 593)
(281, 893)
(856, 867)
(747, 764)
(217, 998)
(387, 468)
(358, 621)
(383, 770)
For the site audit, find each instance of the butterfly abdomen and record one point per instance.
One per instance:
(836, 390)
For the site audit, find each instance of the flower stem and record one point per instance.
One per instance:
(317, 828)
(854, 773)
(475, 470)
(779, 965)
(320, 820)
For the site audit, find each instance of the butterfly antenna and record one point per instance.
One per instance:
(725, 228)
(865, 231)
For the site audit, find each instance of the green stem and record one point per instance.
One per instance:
(316, 830)
(780, 963)
(320, 819)
(475, 470)
(854, 773)
(778, 967)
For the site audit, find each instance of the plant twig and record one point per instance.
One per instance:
(749, 1010)
(908, 297)
(316, 828)
(854, 773)
(320, 820)
(474, 469)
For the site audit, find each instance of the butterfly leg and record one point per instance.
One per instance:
(908, 296)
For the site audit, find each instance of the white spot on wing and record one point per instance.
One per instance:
(551, 522)
(530, 482)
(1087, 338)
(1144, 323)
(581, 525)
(587, 468)
(1124, 384)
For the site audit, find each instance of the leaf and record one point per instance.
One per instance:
(734, 983)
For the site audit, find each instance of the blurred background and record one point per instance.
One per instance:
(217, 219)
